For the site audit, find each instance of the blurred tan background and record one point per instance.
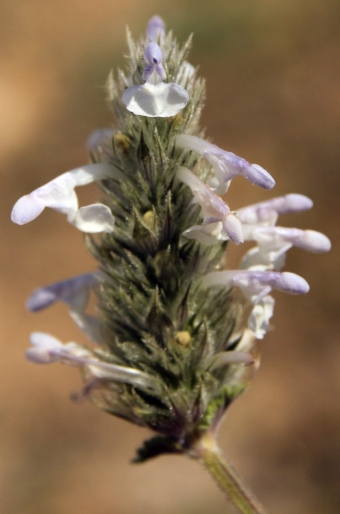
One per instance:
(274, 98)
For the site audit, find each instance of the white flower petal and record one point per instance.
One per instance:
(258, 321)
(45, 340)
(40, 355)
(313, 241)
(206, 234)
(274, 242)
(151, 100)
(93, 219)
(255, 259)
(43, 347)
(291, 283)
(27, 209)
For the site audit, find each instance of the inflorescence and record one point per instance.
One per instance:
(173, 341)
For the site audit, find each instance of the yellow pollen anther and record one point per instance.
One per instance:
(149, 219)
(183, 338)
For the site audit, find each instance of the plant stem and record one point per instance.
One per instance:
(226, 477)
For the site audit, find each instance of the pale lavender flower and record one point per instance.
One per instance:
(72, 291)
(47, 349)
(274, 242)
(226, 165)
(156, 28)
(59, 194)
(219, 222)
(155, 98)
(266, 213)
(255, 285)
(75, 293)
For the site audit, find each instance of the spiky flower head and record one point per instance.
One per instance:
(173, 341)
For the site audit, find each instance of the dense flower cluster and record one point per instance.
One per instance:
(171, 346)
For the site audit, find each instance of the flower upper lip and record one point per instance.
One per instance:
(226, 165)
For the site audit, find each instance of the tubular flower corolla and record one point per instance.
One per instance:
(226, 165)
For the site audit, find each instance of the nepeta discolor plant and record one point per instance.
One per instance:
(174, 339)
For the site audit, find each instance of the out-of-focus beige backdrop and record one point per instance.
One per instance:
(274, 98)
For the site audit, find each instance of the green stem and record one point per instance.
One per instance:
(226, 477)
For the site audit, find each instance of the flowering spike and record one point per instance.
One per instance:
(226, 165)
(156, 28)
(174, 351)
